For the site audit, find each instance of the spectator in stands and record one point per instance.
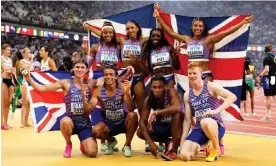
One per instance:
(75, 56)
(66, 64)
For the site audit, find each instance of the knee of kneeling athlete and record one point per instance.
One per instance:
(205, 123)
(91, 152)
(97, 132)
(66, 121)
(185, 156)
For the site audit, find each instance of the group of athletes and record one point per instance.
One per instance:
(163, 115)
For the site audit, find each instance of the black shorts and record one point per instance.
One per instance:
(271, 91)
(243, 94)
(7, 81)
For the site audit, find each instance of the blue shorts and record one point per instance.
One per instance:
(97, 116)
(136, 78)
(197, 135)
(82, 132)
(162, 129)
(116, 128)
(206, 74)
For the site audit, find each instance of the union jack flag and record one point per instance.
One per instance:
(229, 53)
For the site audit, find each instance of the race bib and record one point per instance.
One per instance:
(115, 115)
(77, 108)
(109, 58)
(198, 115)
(195, 51)
(160, 58)
(166, 119)
(133, 49)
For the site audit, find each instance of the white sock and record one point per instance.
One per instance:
(268, 113)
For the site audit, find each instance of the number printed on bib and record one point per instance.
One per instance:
(115, 115)
(77, 108)
(198, 115)
(166, 119)
(195, 51)
(109, 57)
(133, 49)
(160, 58)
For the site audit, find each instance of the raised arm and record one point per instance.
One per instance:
(88, 107)
(175, 60)
(43, 88)
(165, 27)
(98, 32)
(212, 39)
(125, 88)
(91, 56)
(92, 29)
(187, 119)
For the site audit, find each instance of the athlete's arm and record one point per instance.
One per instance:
(2, 66)
(144, 40)
(173, 34)
(120, 41)
(91, 57)
(254, 74)
(146, 54)
(89, 107)
(175, 60)
(187, 119)
(175, 104)
(144, 121)
(212, 39)
(92, 29)
(43, 88)
(125, 89)
(92, 83)
(52, 65)
(218, 90)
(266, 62)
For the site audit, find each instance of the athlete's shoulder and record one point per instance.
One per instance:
(214, 87)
